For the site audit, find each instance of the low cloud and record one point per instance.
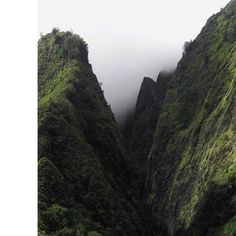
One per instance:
(121, 71)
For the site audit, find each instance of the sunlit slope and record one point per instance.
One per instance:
(192, 163)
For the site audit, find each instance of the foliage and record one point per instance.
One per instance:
(83, 180)
(192, 160)
(229, 229)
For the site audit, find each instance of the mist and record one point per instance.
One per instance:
(128, 39)
(121, 70)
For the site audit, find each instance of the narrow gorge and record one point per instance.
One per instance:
(170, 172)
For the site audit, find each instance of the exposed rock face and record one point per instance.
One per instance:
(192, 169)
(147, 110)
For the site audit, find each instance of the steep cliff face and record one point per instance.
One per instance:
(147, 110)
(192, 162)
(82, 169)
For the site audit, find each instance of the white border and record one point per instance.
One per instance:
(18, 117)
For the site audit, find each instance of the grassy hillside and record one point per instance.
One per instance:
(192, 163)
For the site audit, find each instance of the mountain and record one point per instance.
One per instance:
(191, 184)
(144, 121)
(83, 174)
(172, 172)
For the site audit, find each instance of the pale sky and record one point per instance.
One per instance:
(129, 39)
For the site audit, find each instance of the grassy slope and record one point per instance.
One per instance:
(82, 171)
(192, 162)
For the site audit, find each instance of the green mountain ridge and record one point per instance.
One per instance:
(83, 175)
(192, 159)
(174, 174)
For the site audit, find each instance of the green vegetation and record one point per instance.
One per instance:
(83, 181)
(181, 172)
(229, 229)
(193, 156)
